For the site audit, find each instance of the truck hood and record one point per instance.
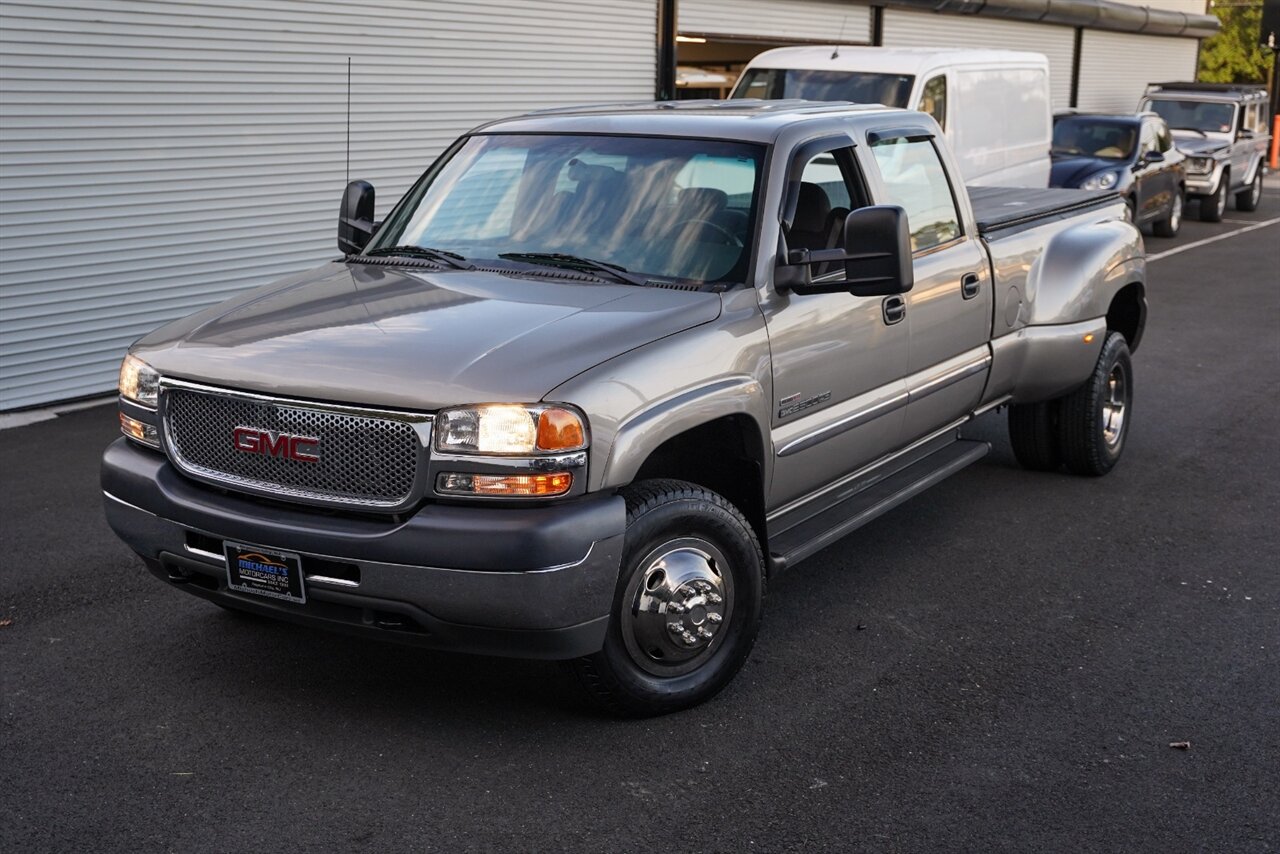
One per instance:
(417, 339)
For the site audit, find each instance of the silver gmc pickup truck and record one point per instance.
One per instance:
(603, 373)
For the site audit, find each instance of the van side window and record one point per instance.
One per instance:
(933, 99)
(915, 180)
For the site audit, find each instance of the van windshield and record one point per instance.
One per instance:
(860, 87)
(651, 206)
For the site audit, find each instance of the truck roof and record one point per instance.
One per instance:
(891, 60)
(746, 119)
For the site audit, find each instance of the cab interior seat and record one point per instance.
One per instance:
(817, 224)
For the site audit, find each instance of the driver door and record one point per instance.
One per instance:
(839, 361)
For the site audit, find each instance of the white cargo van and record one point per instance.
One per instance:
(993, 105)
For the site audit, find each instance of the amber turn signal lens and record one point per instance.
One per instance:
(559, 430)
(513, 485)
(139, 430)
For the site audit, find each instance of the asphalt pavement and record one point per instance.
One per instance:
(1001, 664)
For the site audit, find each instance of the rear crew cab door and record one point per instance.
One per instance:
(948, 310)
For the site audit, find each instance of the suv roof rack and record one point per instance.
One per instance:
(1243, 88)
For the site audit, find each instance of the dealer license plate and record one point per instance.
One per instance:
(264, 572)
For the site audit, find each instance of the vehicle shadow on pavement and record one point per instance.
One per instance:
(361, 678)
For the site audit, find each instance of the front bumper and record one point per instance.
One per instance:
(1203, 183)
(530, 582)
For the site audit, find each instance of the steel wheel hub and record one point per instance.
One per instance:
(1114, 407)
(680, 600)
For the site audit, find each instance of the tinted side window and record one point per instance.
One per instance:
(933, 100)
(915, 180)
(1164, 139)
(1254, 117)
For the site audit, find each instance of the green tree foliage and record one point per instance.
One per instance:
(1234, 55)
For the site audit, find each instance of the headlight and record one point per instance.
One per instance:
(1101, 181)
(1201, 164)
(510, 429)
(139, 381)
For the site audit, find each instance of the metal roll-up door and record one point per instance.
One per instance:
(1116, 67)
(927, 29)
(778, 20)
(160, 156)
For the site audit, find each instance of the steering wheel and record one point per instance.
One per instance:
(730, 239)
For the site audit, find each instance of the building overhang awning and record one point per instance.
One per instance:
(1093, 14)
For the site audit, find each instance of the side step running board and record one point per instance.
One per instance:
(818, 532)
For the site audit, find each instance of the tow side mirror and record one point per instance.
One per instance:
(355, 219)
(876, 257)
(877, 246)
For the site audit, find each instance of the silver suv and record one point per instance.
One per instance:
(1222, 128)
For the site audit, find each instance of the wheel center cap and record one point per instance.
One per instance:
(698, 615)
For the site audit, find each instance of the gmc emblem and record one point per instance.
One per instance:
(251, 440)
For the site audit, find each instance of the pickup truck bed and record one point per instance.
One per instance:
(1002, 211)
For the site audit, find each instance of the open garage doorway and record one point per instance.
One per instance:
(717, 38)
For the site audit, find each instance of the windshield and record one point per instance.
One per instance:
(1110, 140)
(670, 208)
(1203, 116)
(860, 87)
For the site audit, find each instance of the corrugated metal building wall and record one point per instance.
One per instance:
(158, 155)
(1108, 60)
(924, 29)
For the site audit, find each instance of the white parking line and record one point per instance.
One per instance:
(1214, 239)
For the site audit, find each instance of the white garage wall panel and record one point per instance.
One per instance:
(927, 29)
(809, 20)
(156, 157)
(1116, 67)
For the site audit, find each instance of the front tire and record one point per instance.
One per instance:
(1213, 207)
(687, 606)
(1247, 199)
(1169, 226)
(1094, 419)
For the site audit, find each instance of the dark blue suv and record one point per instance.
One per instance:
(1132, 155)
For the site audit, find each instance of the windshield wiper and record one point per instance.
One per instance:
(575, 262)
(451, 259)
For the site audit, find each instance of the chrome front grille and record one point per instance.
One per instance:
(365, 458)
